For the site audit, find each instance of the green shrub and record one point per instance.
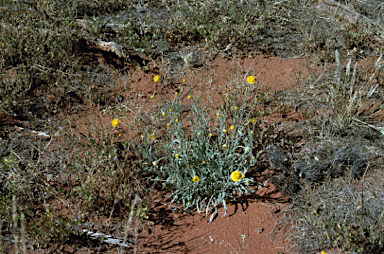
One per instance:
(207, 164)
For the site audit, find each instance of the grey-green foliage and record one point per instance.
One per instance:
(210, 150)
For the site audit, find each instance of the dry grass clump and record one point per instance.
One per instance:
(341, 213)
(334, 203)
(65, 186)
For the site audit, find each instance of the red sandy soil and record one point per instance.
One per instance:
(247, 231)
(240, 231)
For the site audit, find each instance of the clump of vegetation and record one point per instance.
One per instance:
(63, 189)
(205, 164)
(341, 213)
(335, 199)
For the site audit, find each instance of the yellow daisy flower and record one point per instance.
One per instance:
(177, 156)
(115, 122)
(168, 125)
(156, 78)
(210, 134)
(170, 110)
(251, 79)
(253, 120)
(217, 115)
(236, 176)
(152, 97)
(154, 163)
(163, 114)
(196, 179)
(152, 136)
(247, 149)
(177, 120)
(232, 127)
(189, 97)
(225, 146)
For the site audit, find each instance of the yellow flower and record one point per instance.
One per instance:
(154, 163)
(163, 114)
(119, 134)
(228, 96)
(152, 97)
(251, 132)
(198, 96)
(247, 149)
(115, 122)
(225, 146)
(198, 134)
(253, 120)
(177, 120)
(196, 179)
(168, 125)
(203, 162)
(152, 136)
(217, 115)
(176, 93)
(225, 131)
(189, 97)
(209, 93)
(236, 107)
(156, 78)
(256, 99)
(232, 127)
(228, 89)
(261, 151)
(322, 252)
(170, 110)
(236, 176)
(253, 157)
(177, 156)
(251, 79)
(210, 134)
(183, 80)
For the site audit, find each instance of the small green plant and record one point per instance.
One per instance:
(207, 164)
